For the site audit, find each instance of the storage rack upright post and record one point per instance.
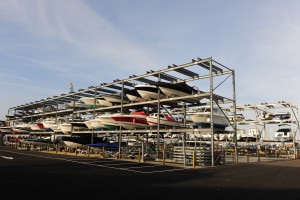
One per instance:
(185, 74)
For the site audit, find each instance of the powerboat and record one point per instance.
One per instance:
(165, 120)
(134, 120)
(103, 102)
(108, 122)
(21, 128)
(36, 126)
(65, 127)
(149, 92)
(78, 141)
(90, 101)
(178, 90)
(51, 124)
(201, 117)
(134, 96)
(96, 123)
(252, 135)
(284, 133)
(115, 98)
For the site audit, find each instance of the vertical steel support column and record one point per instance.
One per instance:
(184, 137)
(292, 130)
(43, 110)
(56, 116)
(94, 113)
(234, 112)
(298, 129)
(120, 133)
(256, 139)
(73, 112)
(211, 112)
(31, 114)
(158, 118)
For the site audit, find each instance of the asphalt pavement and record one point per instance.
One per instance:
(40, 175)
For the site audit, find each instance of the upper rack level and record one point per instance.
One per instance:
(174, 75)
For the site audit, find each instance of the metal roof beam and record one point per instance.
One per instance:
(100, 88)
(184, 71)
(145, 80)
(118, 81)
(84, 95)
(164, 76)
(105, 90)
(114, 87)
(206, 66)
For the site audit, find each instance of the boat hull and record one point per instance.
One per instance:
(204, 121)
(149, 92)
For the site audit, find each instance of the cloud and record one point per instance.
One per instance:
(10, 76)
(58, 26)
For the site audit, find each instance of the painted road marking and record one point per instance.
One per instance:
(10, 158)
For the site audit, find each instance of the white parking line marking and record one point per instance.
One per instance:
(10, 158)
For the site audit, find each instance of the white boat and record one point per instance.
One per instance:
(103, 102)
(115, 98)
(134, 96)
(284, 133)
(149, 92)
(90, 101)
(253, 134)
(65, 127)
(165, 120)
(22, 128)
(96, 123)
(178, 90)
(51, 124)
(201, 117)
(88, 124)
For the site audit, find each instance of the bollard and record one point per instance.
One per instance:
(88, 151)
(56, 148)
(103, 152)
(247, 156)
(194, 159)
(139, 155)
(163, 156)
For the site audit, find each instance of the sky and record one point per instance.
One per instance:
(46, 44)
